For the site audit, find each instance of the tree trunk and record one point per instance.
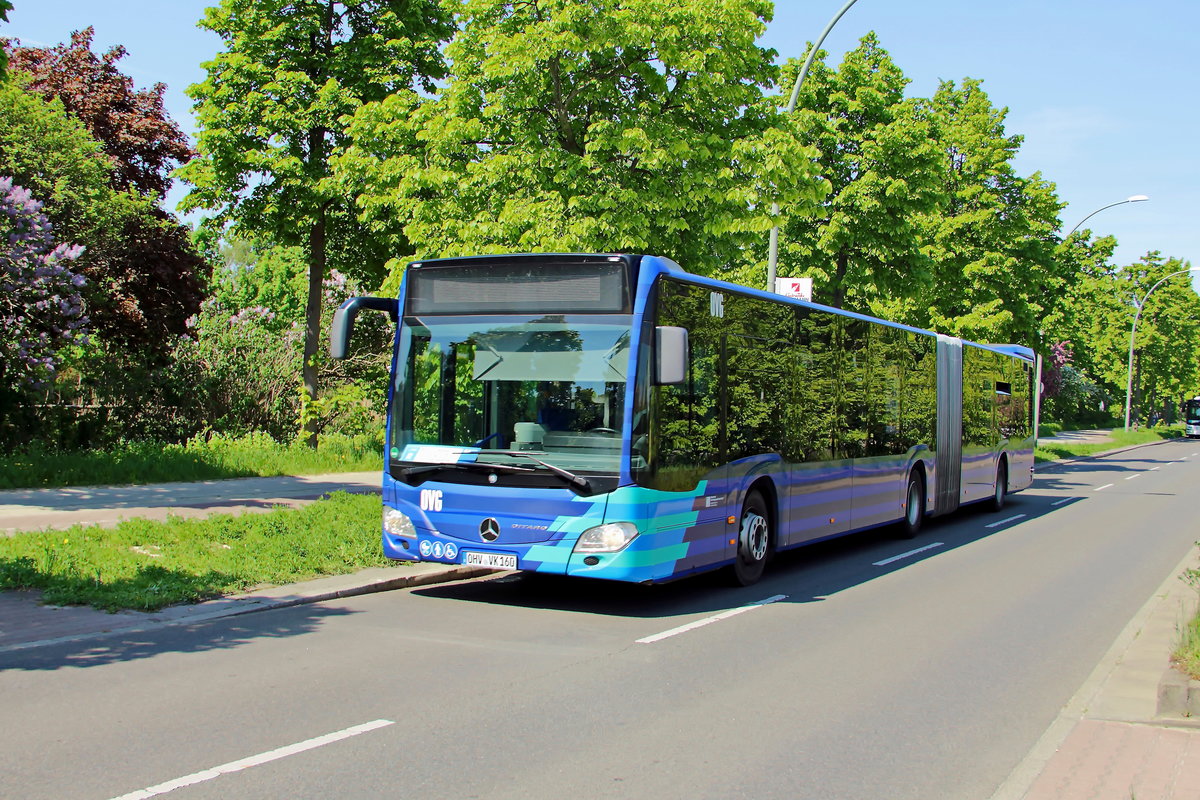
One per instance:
(312, 317)
(838, 300)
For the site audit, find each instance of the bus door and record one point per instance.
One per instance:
(819, 483)
(871, 360)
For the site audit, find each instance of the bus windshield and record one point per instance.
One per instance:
(529, 392)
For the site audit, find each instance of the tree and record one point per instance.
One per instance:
(132, 126)
(1167, 348)
(144, 277)
(992, 240)
(270, 118)
(5, 7)
(878, 155)
(41, 308)
(602, 125)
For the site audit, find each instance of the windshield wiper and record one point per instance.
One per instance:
(578, 483)
(412, 472)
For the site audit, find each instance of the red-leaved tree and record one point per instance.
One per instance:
(132, 125)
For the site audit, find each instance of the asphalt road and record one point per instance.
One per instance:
(868, 667)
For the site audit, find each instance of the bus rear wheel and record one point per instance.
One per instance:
(1000, 496)
(914, 505)
(754, 541)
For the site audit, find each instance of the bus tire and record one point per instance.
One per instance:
(1000, 494)
(754, 540)
(914, 505)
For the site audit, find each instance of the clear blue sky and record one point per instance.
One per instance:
(1104, 91)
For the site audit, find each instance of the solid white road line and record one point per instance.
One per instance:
(1005, 521)
(1102, 488)
(254, 761)
(700, 623)
(887, 561)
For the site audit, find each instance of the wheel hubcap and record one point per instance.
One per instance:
(914, 504)
(754, 536)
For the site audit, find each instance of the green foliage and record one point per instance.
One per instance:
(634, 126)
(992, 240)
(146, 565)
(5, 7)
(263, 276)
(201, 458)
(1099, 317)
(878, 153)
(50, 153)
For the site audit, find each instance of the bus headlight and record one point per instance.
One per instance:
(607, 538)
(397, 523)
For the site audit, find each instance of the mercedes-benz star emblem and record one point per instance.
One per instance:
(489, 530)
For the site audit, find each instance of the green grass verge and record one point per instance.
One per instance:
(1187, 653)
(1056, 451)
(147, 565)
(197, 460)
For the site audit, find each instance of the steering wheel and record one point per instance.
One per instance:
(600, 430)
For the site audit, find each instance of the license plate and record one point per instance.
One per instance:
(493, 560)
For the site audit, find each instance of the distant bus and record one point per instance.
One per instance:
(612, 416)
(1191, 417)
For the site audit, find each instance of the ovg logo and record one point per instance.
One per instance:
(489, 530)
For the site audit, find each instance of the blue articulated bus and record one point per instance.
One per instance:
(613, 416)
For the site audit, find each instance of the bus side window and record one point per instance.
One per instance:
(685, 425)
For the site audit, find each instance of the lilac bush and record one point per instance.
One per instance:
(41, 308)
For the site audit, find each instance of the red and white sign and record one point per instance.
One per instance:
(798, 288)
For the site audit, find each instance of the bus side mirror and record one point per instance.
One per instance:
(343, 320)
(671, 351)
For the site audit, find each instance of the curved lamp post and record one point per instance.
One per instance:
(1137, 198)
(1133, 332)
(773, 247)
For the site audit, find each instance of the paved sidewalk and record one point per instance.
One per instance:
(37, 509)
(1089, 436)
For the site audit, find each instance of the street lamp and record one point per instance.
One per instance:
(1133, 332)
(773, 246)
(1137, 198)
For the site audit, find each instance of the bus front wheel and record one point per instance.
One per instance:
(754, 541)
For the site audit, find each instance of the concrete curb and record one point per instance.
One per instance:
(1178, 696)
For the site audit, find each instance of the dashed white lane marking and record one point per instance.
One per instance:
(1135, 475)
(909, 554)
(254, 761)
(1005, 521)
(1153, 468)
(1102, 488)
(700, 623)
(1064, 500)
